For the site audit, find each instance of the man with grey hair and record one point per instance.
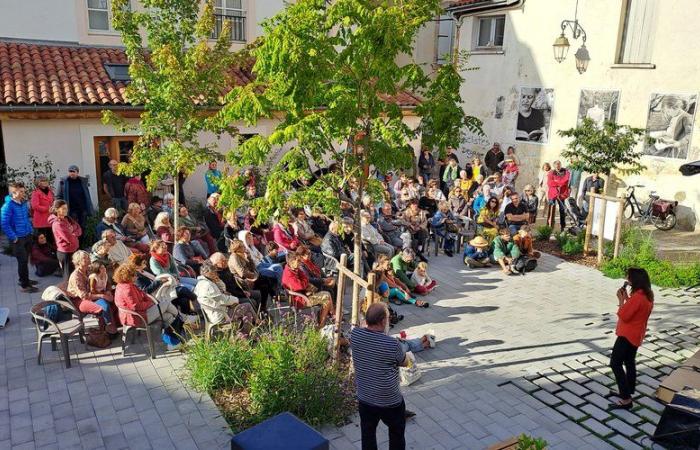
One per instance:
(220, 262)
(118, 252)
(110, 221)
(372, 236)
(377, 358)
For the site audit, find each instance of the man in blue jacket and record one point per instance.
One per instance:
(17, 225)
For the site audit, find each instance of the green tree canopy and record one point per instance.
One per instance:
(178, 77)
(330, 72)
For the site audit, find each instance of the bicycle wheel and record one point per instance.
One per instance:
(628, 212)
(664, 224)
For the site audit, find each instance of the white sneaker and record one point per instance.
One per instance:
(431, 338)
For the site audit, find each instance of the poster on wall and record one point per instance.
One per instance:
(670, 124)
(534, 114)
(599, 105)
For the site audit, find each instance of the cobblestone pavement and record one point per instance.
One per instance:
(529, 355)
(495, 334)
(104, 401)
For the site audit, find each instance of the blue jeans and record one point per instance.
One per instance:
(270, 270)
(412, 345)
(189, 283)
(102, 303)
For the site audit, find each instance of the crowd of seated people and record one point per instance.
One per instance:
(228, 266)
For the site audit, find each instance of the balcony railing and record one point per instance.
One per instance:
(237, 20)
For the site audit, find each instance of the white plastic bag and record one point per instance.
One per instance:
(411, 374)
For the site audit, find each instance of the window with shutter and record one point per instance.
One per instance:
(445, 38)
(637, 37)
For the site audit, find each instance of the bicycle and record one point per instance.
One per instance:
(660, 213)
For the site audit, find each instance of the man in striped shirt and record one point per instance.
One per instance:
(377, 358)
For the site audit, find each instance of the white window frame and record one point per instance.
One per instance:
(477, 32)
(234, 12)
(110, 29)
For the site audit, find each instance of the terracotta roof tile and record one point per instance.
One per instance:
(42, 74)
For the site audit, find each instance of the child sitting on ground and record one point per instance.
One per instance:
(382, 268)
(398, 296)
(476, 253)
(424, 284)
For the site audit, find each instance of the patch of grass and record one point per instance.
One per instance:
(638, 251)
(543, 232)
(218, 364)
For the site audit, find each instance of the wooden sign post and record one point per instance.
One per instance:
(598, 215)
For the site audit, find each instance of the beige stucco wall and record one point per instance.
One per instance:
(71, 141)
(527, 59)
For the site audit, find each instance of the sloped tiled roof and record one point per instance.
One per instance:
(55, 75)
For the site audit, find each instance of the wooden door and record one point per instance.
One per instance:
(108, 148)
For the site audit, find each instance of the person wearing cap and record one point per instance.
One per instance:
(75, 191)
(113, 186)
(41, 201)
(476, 253)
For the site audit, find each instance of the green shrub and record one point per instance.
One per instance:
(526, 442)
(638, 251)
(218, 364)
(281, 370)
(543, 232)
(292, 372)
(570, 244)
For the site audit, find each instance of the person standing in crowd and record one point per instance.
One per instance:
(634, 309)
(17, 226)
(543, 188)
(377, 358)
(66, 232)
(592, 182)
(41, 201)
(136, 192)
(113, 185)
(75, 191)
(426, 164)
(558, 191)
(450, 175)
(213, 218)
(494, 157)
(211, 176)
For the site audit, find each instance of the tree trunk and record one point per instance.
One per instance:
(176, 203)
(357, 252)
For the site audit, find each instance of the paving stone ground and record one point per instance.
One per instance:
(104, 401)
(529, 355)
(551, 328)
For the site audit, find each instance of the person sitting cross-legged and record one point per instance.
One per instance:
(295, 279)
(424, 284)
(504, 250)
(403, 264)
(476, 253)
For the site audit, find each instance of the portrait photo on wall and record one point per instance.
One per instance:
(670, 124)
(599, 105)
(534, 114)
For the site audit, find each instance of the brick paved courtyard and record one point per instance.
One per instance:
(515, 354)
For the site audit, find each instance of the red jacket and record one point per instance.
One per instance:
(41, 253)
(558, 184)
(285, 238)
(66, 233)
(128, 296)
(41, 203)
(297, 281)
(633, 317)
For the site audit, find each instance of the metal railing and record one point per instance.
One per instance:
(237, 20)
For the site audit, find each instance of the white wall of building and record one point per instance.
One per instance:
(53, 20)
(527, 60)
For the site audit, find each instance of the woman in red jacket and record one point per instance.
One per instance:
(295, 279)
(128, 296)
(66, 232)
(42, 199)
(633, 312)
(558, 191)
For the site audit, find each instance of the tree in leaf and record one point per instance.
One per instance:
(601, 150)
(329, 71)
(180, 79)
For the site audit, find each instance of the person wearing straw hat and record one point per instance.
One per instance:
(476, 253)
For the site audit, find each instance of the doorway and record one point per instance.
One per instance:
(108, 148)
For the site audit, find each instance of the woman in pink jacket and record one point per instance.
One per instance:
(41, 201)
(557, 192)
(66, 232)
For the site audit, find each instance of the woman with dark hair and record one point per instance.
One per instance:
(66, 232)
(634, 309)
